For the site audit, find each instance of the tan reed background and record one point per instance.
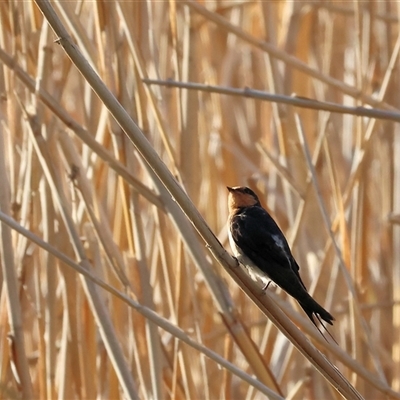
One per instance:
(95, 237)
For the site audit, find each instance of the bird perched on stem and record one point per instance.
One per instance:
(259, 244)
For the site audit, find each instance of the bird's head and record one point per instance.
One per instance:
(241, 196)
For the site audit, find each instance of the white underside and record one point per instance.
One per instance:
(255, 273)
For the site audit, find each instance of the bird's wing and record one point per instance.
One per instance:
(255, 232)
(260, 238)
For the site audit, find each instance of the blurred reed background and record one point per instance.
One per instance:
(71, 177)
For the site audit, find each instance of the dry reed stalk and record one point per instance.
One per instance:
(146, 312)
(16, 353)
(331, 186)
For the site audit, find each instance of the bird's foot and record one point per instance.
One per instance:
(265, 287)
(237, 261)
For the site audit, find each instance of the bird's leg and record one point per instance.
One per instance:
(237, 261)
(265, 287)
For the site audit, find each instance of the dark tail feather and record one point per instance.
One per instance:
(312, 308)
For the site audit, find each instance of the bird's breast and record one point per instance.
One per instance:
(239, 253)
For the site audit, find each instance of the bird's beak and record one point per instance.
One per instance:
(229, 188)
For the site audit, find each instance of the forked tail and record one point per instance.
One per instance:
(313, 309)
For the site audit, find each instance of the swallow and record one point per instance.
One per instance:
(258, 243)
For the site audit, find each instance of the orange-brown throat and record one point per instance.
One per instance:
(238, 198)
